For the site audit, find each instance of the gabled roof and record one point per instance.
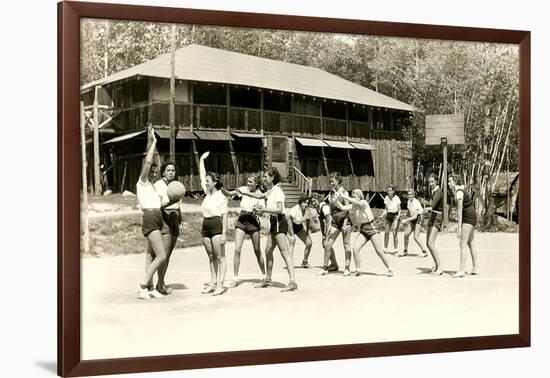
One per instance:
(201, 63)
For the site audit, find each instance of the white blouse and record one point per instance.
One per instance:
(162, 189)
(274, 196)
(248, 203)
(297, 216)
(360, 215)
(148, 197)
(414, 206)
(393, 204)
(214, 204)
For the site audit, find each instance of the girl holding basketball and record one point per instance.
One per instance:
(413, 224)
(392, 208)
(275, 207)
(150, 202)
(248, 223)
(362, 218)
(435, 222)
(172, 220)
(299, 217)
(214, 227)
(467, 219)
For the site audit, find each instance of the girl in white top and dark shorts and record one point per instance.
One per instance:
(150, 202)
(278, 226)
(413, 224)
(248, 223)
(392, 205)
(214, 228)
(299, 217)
(361, 216)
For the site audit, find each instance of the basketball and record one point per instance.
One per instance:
(175, 190)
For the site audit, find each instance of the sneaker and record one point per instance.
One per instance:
(356, 273)
(209, 288)
(292, 286)
(346, 272)
(333, 268)
(323, 272)
(155, 294)
(385, 250)
(263, 283)
(219, 290)
(233, 283)
(423, 254)
(305, 265)
(389, 273)
(143, 293)
(403, 254)
(164, 290)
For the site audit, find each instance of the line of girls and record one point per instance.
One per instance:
(338, 213)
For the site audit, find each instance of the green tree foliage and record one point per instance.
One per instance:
(478, 80)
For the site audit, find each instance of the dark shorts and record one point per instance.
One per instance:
(171, 222)
(297, 227)
(248, 222)
(469, 215)
(278, 224)
(436, 220)
(368, 230)
(152, 221)
(339, 219)
(211, 227)
(390, 217)
(414, 222)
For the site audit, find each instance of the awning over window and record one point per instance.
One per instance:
(181, 134)
(214, 135)
(339, 144)
(125, 137)
(245, 135)
(307, 142)
(363, 146)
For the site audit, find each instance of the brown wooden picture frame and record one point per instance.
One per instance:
(69, 318)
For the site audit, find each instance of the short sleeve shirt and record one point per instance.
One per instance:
(148, 197)
(459, 192)
(414, 206)
(297, 216)
(274, 196)
(248, 203)
(361, 214)
(214, 204)
(392, 205)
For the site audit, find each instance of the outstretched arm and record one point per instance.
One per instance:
(253, 195)
(150, 153)
(202, 170)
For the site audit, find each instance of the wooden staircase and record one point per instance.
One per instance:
(293, 190)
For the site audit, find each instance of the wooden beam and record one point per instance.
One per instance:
(347, 122)
(97, 174)
(197, 158)
(172, 106)
(371, 122)
(235, 162)
(321, 118)
(325, 164)
(227, 106)
(84, 210)
(351, 163)
(262, 112)
(192, 105)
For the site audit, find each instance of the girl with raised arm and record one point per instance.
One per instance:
(362, 218)
(150, 202)
(299, 217)
(467, 219)
(214, 227)
(435, 222)
(248, 223)
(413, 224)
(275, 207)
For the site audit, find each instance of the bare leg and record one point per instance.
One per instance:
(239, 239)
(395, 230)
(167, 240)
(269, 248)
(346, 241)
(329, 251)
(406, 236)
(473, 251)
(149, 256)
(359, 243)
(417, 239)
(282, 242)
(209, 251)
(155, 239)
(255, 237)
(432, 236)
(377, 244)
(219, 255)
(387, 228)
(306, 239)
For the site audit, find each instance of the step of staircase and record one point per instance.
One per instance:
(292, 194)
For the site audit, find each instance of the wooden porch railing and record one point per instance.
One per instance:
(302, 181)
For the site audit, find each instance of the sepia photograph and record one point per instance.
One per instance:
(246, 189)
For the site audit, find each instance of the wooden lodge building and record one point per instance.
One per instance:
(251, 112)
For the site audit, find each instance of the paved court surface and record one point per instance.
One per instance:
(325, 310)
